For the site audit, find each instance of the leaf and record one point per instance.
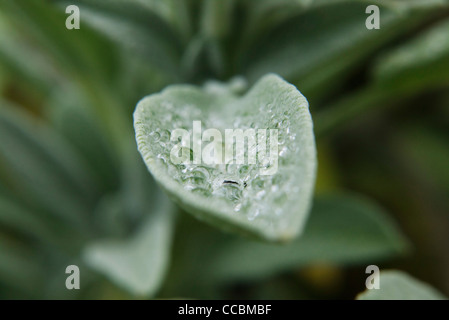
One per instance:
(84, 56)
(43, 168)
(172, 11)
(20, 219)
(137, 264)
(320, 44)
(421, 62)
(407, 71)
(266, 14)
(397, 285)
(81, 52)
(216, 18)
(20, 266)
(234, 197)
(69, 114)
(342, 230)
(132, 26)
(34, 224)
(23, 60)
(352, 107)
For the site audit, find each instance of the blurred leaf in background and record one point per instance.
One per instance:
(396, 285)
(74, 189)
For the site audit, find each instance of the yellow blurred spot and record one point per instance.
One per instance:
(327, 175)
(324, 277)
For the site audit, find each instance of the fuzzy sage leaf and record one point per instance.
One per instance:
(249, 198)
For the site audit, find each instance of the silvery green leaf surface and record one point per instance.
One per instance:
(139, 262)
(242, 197)
(397, 285)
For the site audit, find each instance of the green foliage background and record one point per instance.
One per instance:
(74, 190)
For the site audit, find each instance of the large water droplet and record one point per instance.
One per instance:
(231, 191)
(155, 136)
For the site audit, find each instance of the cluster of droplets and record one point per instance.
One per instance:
(242, 186)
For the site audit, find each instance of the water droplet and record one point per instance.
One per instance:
(258, 183)
(266, 108)
(281, 137)
(238, 207)
(156, 136)
(165, 135)
(283, 152)
(231, 192)
(194, 180)
(260, 194)
(182, 167)
(244, 169)
(231, 168)
(284, 124)
(162, 158)
(200, 171)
